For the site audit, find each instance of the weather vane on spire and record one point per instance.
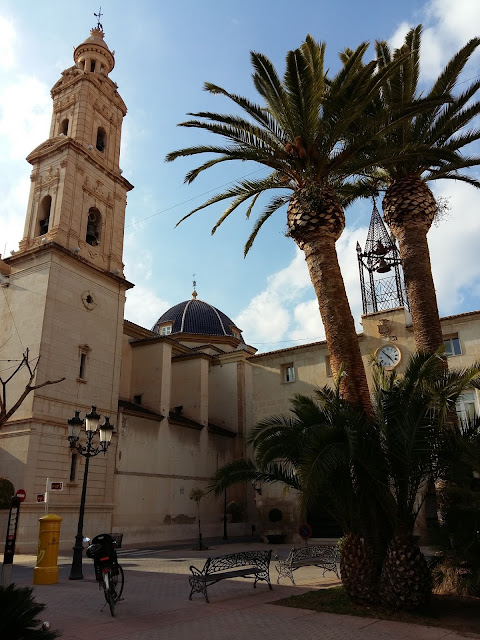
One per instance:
(194, 292)
(98, 16)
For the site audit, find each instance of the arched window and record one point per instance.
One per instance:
(93, 227)
(64, 127)
(44, 215)
(92, 66)
(101, 139)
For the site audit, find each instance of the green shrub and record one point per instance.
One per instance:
(6, 492)
(18, 618)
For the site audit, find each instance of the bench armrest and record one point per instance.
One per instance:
(197, 572)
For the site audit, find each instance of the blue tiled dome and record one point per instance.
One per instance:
(197, 317)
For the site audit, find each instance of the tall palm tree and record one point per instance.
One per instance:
(432, 142)
(299, 135)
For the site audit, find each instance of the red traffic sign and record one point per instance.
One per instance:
(21, 494)
(305, 531)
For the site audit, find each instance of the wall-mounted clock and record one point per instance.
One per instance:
(389, 356)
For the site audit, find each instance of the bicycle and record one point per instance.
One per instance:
(108, 572)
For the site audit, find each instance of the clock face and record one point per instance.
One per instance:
(388, 356)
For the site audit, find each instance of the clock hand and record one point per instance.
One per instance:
(389, 357)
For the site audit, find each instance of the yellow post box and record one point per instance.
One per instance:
(46, 569)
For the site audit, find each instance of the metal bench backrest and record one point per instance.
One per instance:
(314, 551)
(259, 559)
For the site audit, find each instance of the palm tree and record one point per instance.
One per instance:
(456, 537)
(414, 416)
(370, 473)
(328, 453)
(431, 141)
(300, 136)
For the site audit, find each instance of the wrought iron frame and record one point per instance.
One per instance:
(245, 564)
(320, 556)
(380, 256)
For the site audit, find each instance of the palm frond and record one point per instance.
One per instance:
(276, 203)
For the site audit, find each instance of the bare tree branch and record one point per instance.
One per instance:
(29, 387)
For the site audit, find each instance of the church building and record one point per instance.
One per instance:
(182, 395)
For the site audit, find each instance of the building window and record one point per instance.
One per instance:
(101, 139)
(84, 350)
(73, 467)
(452, 345)
(64, 127)
(44, 215)
(466, 406)
(92, 66)
(93, 227)
(288, 372)
(328, 368)
(83, 361)
(166, 331)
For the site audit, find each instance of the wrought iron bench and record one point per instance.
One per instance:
(245, 564)
(325, 558)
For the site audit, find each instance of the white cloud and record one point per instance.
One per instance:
(456, 21)
(267, 318)
(142, 306)
(398, 37)
(454, 248)
(308, 323)
(447, 26)
(287, 312)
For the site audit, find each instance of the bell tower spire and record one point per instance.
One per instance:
(78, 194)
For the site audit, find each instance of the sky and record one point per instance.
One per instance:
(165, 51)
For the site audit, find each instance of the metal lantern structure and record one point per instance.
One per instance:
(379, 257)
(88, 450)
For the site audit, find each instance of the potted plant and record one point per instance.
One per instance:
(275, 516)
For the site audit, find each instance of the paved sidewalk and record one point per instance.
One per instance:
(156, 604)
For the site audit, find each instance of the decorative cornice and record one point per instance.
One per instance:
(53, 246)
(53, 146)
(106, 86)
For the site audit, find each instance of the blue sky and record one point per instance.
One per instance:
(164, 53)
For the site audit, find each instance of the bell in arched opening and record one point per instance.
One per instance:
(93, 227)
(379, 257)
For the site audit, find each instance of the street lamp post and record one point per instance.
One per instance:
(89, 450)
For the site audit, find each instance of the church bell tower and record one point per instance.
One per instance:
(64, 296)
(78, 195)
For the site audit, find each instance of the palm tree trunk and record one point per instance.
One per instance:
(417, 270)
(342, 339)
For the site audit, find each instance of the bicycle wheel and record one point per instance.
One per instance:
(118, 581)
(109, 591)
